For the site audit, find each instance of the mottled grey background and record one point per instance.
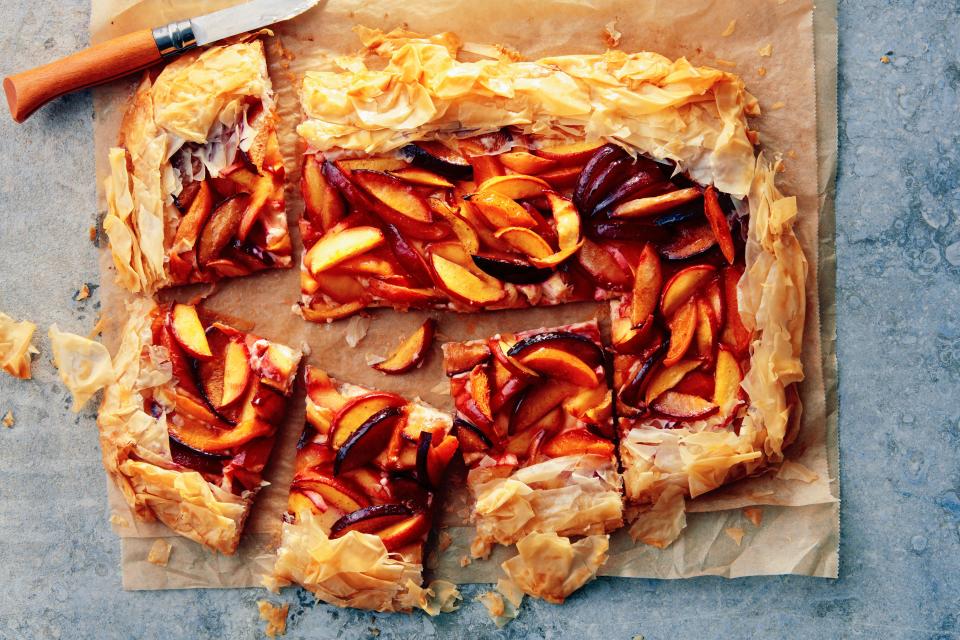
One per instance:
(898, 250)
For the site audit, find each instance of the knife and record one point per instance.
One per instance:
(30, 90)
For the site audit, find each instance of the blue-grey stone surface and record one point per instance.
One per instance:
(898, 298)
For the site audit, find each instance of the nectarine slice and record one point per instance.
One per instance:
(683, 324)
(718, 222)
(735, 334)
(667, 378)
(578, 442)
(394, 193)
(339, 287)
(471, 437)
(368, 440)
(299, 502)
(464, 231)
(479, 386)
(727, 378)
(525, 162)
(515, 186)
(603, 267)
(567, 221)
(500, 211)
(221, 227)
(684, 285)
(655, 204)
(538, 401)
(334, 248)
(463, 284)
(265, 187)
(439, 457)
(411, 351)
(201, 437)
(372, 164)
(187, 329)
(577, 344)
(357, 411)
(569, 153)
(190, 225)
(323, 205)
(706, 333)
(647, 280)
(690, 241)
(683, 405)
(405, 532)
(560, 364)
(437, 157)
(328, 313)
(370, 519)
(423, 178)
(459, 357)
(562, 178)
(513, 270)
(236, 372)
(525, 241)
(335, 493)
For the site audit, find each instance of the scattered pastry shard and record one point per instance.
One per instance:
(361, 504)
(15, 346)
(188, 421)
(535, 424)
(195, 192)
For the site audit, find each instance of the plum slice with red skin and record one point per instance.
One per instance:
(472, 437)
(438, 158)
(579, 345)
(370, 519)
(367, 441)
(690, 241)
(513, 270)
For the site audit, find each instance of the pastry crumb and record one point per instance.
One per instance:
(791, 153)
(374, 631)
(275, 616)
(159, 552)
(356, 330)
(82, 293)
(766, 50)
(730, 28)
(465, 560)
(777, 105)
(762, 71)
(97, 328)
(493, 602)
(8, 420)
(611, 36)
(735, 533)
(444, 541)
(885, 59)
(92, 234)
(726, 63)
(118, 521)
(754, 515)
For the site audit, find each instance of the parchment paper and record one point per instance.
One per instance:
(799, 532)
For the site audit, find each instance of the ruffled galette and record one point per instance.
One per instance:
(367, 472)
(188, 423)
(195, 192)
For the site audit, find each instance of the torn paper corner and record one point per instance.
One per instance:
(84, 365)
(159, 552)
(275, 616)
(662, 523)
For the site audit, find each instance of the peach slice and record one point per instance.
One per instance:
(718, 222)
(537, 402)
(472, 438)
(706, 332)
(472, 215)
(402, 295)
(485, 167)
(371, 481)
(576, 344)
(525, 241)
(567, 221)
(438, 459)
(459, 357)
(578, 442)
(393, 193)
(423, 178)
(713, 294)
(684, 285)
(323, 205)
(236, 372)
(479, 386)
(357, 411)
(370, 519)
(312, 456)
(372, 164)
(571, 153)
(525, 162)
(335, 493)
(341, 288)
(407, 255)
(221, 227)
(334, 248)
(648, 278)
(697, 383)
(626, 337)
(655, 204)
(603, 267)
(187, 329)
(369, 265)
(464, 231)
(328, 313)
(728, 377)
(465, 285)
(405, 532)
(201, 437)
(367, 441)
(561, 364)
(636, 376)
(735, 334)
(683, 324)
(515, 186)
(500, 211)
(262, 191)
(411, 351)
(589, 405)
(668, 377)
(683, 405)
(190, 225)
(299, 502)
(562, 178)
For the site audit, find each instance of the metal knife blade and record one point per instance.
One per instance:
(245, 17)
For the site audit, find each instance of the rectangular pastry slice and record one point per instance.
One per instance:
(367, 472)
(535, 424)
(188, 424)
(499, 183)
(195, 192)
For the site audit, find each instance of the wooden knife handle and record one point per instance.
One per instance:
(30, 90)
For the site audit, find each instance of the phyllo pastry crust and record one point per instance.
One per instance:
(367, 472)
(535, 424)
(195, 192)
(188, 424)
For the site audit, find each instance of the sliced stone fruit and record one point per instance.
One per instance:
(667, 378)
(578, 442)
(647, 280)
(718, 223)
(411, 351)
(683, 405)
(370, 519)
(357, 411)
(368, 440)
(336, 247)
(438, 158)
(189, 332)
(684, 285)
(236, 372)
(683, 325)
(515, 186)
(394, 193)
(463, 284)
(336, 493)
(652, 205)
(538, 401)
(569, 153)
